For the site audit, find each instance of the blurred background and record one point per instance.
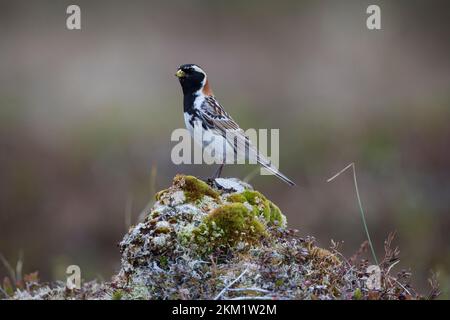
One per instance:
(86, 118)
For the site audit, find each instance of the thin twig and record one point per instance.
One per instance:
(257, 298)
(231, 284)
(249, 289)
(403, 287)
(391, 266)
(363, 216)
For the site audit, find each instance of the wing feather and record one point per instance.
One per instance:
(220, 121)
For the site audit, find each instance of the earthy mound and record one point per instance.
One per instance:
(224, 240)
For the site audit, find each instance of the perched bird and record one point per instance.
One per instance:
(212, 127)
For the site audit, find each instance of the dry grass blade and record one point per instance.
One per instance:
(363, 216)
(8, 267)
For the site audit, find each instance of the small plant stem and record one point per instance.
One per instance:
(363, 216)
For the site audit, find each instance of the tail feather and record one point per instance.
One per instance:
(242, 145)
(276, 172)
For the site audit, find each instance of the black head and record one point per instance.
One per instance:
(192, 78)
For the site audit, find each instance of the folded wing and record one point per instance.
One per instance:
(220, 121)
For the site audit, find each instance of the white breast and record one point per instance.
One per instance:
(214, 146)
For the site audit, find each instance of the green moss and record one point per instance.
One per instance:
(227, 226)
(159, 194)
(252, 196)
(194, 189)
(276, 215)
(279, 282)
(271, 213)
(117, 295)
(357, 295)
(236, 197)
(163, 262)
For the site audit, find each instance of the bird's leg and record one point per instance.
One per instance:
(216, 175)
(218, 172)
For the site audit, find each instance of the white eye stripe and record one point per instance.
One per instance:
(198, 69)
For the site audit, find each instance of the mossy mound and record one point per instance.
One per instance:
(208, 218)
(220, 218)
(199, 238)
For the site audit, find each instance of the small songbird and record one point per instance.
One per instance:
(212, 127)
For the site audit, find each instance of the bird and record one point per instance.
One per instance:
(212, 127)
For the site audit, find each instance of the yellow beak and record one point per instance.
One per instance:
(180, 73)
